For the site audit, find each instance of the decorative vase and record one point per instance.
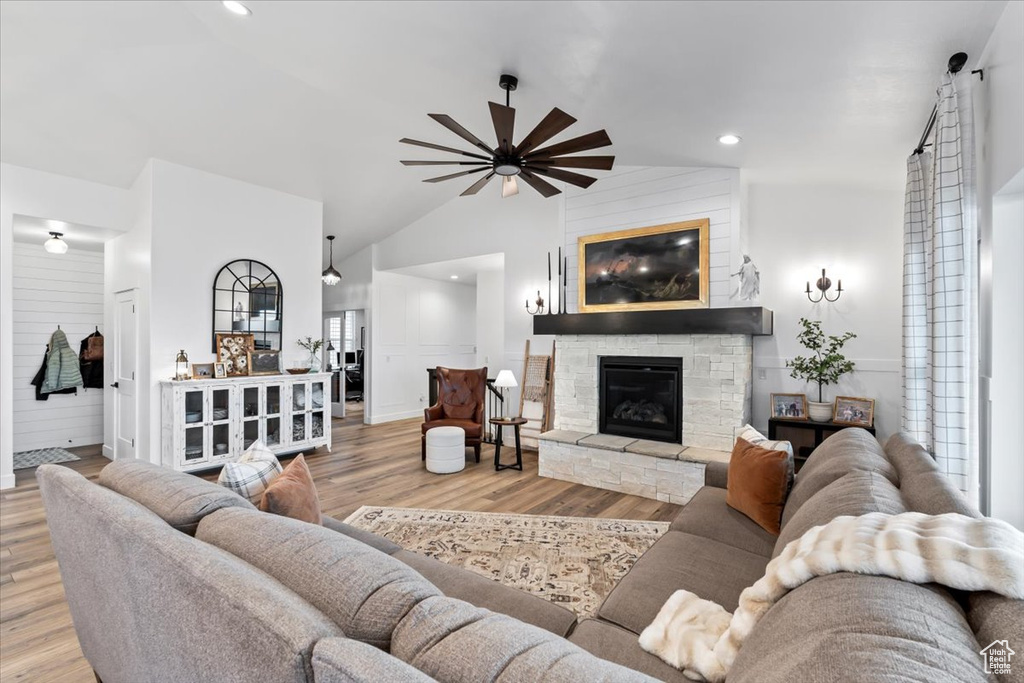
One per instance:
(819, 412)
(314, 362)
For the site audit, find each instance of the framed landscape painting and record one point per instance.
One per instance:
(656, 268)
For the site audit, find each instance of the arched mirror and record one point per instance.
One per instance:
(247, 297)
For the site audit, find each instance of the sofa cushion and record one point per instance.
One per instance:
(293, 494)
(152, 604)
(452, 640)
(908, 456)
(934, 494)
(856, 493)
(889, 632)
(711, 569)
(850, 450)
(759, 479)
(178, 498)
(368, 537)
(481, 591)
(343, 660)
(618, 645)
(361, 589)
(994, 617)
(250, 476)
(708, 516)
(751, 435)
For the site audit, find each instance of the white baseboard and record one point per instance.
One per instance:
(108, 452)
(6, 481)
(394, 417)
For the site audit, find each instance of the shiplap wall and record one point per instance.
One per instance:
(51, 289)
(641, 197)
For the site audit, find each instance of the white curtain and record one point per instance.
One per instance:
(940, 365)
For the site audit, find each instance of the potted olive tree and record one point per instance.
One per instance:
(825, 366)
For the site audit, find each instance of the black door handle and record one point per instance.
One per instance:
(116, 385)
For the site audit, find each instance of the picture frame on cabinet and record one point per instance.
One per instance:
(220, 370)
(233, 350)
(202, 370)
(265, 362)
(854, 411)
(789, 406)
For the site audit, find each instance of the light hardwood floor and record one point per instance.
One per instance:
(369, 465)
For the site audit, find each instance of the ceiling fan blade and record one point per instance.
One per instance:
(478, 185)
(504, 119)
(554, 123)
(454, 175)
(596, 163)
(450, 123)
(581, 144)
(431, 145)
(539, 184)
(406, 162)
(577, 179)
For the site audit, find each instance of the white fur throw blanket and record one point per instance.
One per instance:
(702, 639)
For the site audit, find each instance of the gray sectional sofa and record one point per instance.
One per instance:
(172, 578)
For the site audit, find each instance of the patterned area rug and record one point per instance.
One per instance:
(42, 456)
(572, 561)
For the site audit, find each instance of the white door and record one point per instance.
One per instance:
(126, 334)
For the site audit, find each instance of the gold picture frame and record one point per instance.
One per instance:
(233, 350)
(616, 265)
(202, 371)
(789, 407)
(854, 411)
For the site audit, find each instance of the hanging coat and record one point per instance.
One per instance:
(90, 358)
(37, 381)
(62, 369)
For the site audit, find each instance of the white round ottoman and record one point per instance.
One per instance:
(446, 450)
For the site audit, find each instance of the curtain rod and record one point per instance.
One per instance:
(956, 63)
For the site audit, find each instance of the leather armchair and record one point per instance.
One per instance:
(460, 403)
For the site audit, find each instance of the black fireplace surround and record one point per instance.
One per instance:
(641, 397)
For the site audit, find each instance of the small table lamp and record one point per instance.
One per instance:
(505, 380)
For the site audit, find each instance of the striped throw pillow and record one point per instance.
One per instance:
(252, 474)
(751, 435)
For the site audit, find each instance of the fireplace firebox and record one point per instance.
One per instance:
(641, 397)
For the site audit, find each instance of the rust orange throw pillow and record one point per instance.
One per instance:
(293, 494)
(758, 483)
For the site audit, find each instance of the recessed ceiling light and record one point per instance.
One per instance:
(236, 7)
(455, 277)
(729, 139)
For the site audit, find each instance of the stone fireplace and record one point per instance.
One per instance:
(640, 397)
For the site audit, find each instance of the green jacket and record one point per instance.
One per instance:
(62, 369)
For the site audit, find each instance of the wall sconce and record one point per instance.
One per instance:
(824, 284)
(539, 303)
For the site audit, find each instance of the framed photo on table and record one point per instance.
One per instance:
(202, 371)
(850, 410)
(220, 370)
(789, 406)
(661, 267)
(233, 350)
(264, 362)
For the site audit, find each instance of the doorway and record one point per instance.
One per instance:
(345, 332)
(125, 363)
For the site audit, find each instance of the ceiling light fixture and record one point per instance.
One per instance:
(55, 245)
(455, 277)
(236, 7)
(729, 139)
(331, 276)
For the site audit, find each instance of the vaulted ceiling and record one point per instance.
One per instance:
(312, 97)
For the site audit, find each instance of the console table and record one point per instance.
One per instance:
(821, 431)
(207, 422)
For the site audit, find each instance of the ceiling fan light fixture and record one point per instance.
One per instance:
(729, 139)
(55, 245)
(331, 276)
(509, 186)
(236, 7)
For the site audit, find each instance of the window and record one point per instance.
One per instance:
(334, 337)
(350, 332)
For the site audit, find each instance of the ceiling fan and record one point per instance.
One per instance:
(528, 159)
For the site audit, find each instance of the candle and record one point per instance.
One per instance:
(808, 288)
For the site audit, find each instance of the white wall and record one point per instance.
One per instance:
(200, 222)
(28, 192)
(50, 290)
(795, 231)
(490, 323)
(416, 324)
(641, 197)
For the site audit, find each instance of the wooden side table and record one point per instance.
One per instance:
(515, 423)
(821, 431)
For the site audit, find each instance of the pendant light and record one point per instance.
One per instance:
(55, 245)
(331, 276)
